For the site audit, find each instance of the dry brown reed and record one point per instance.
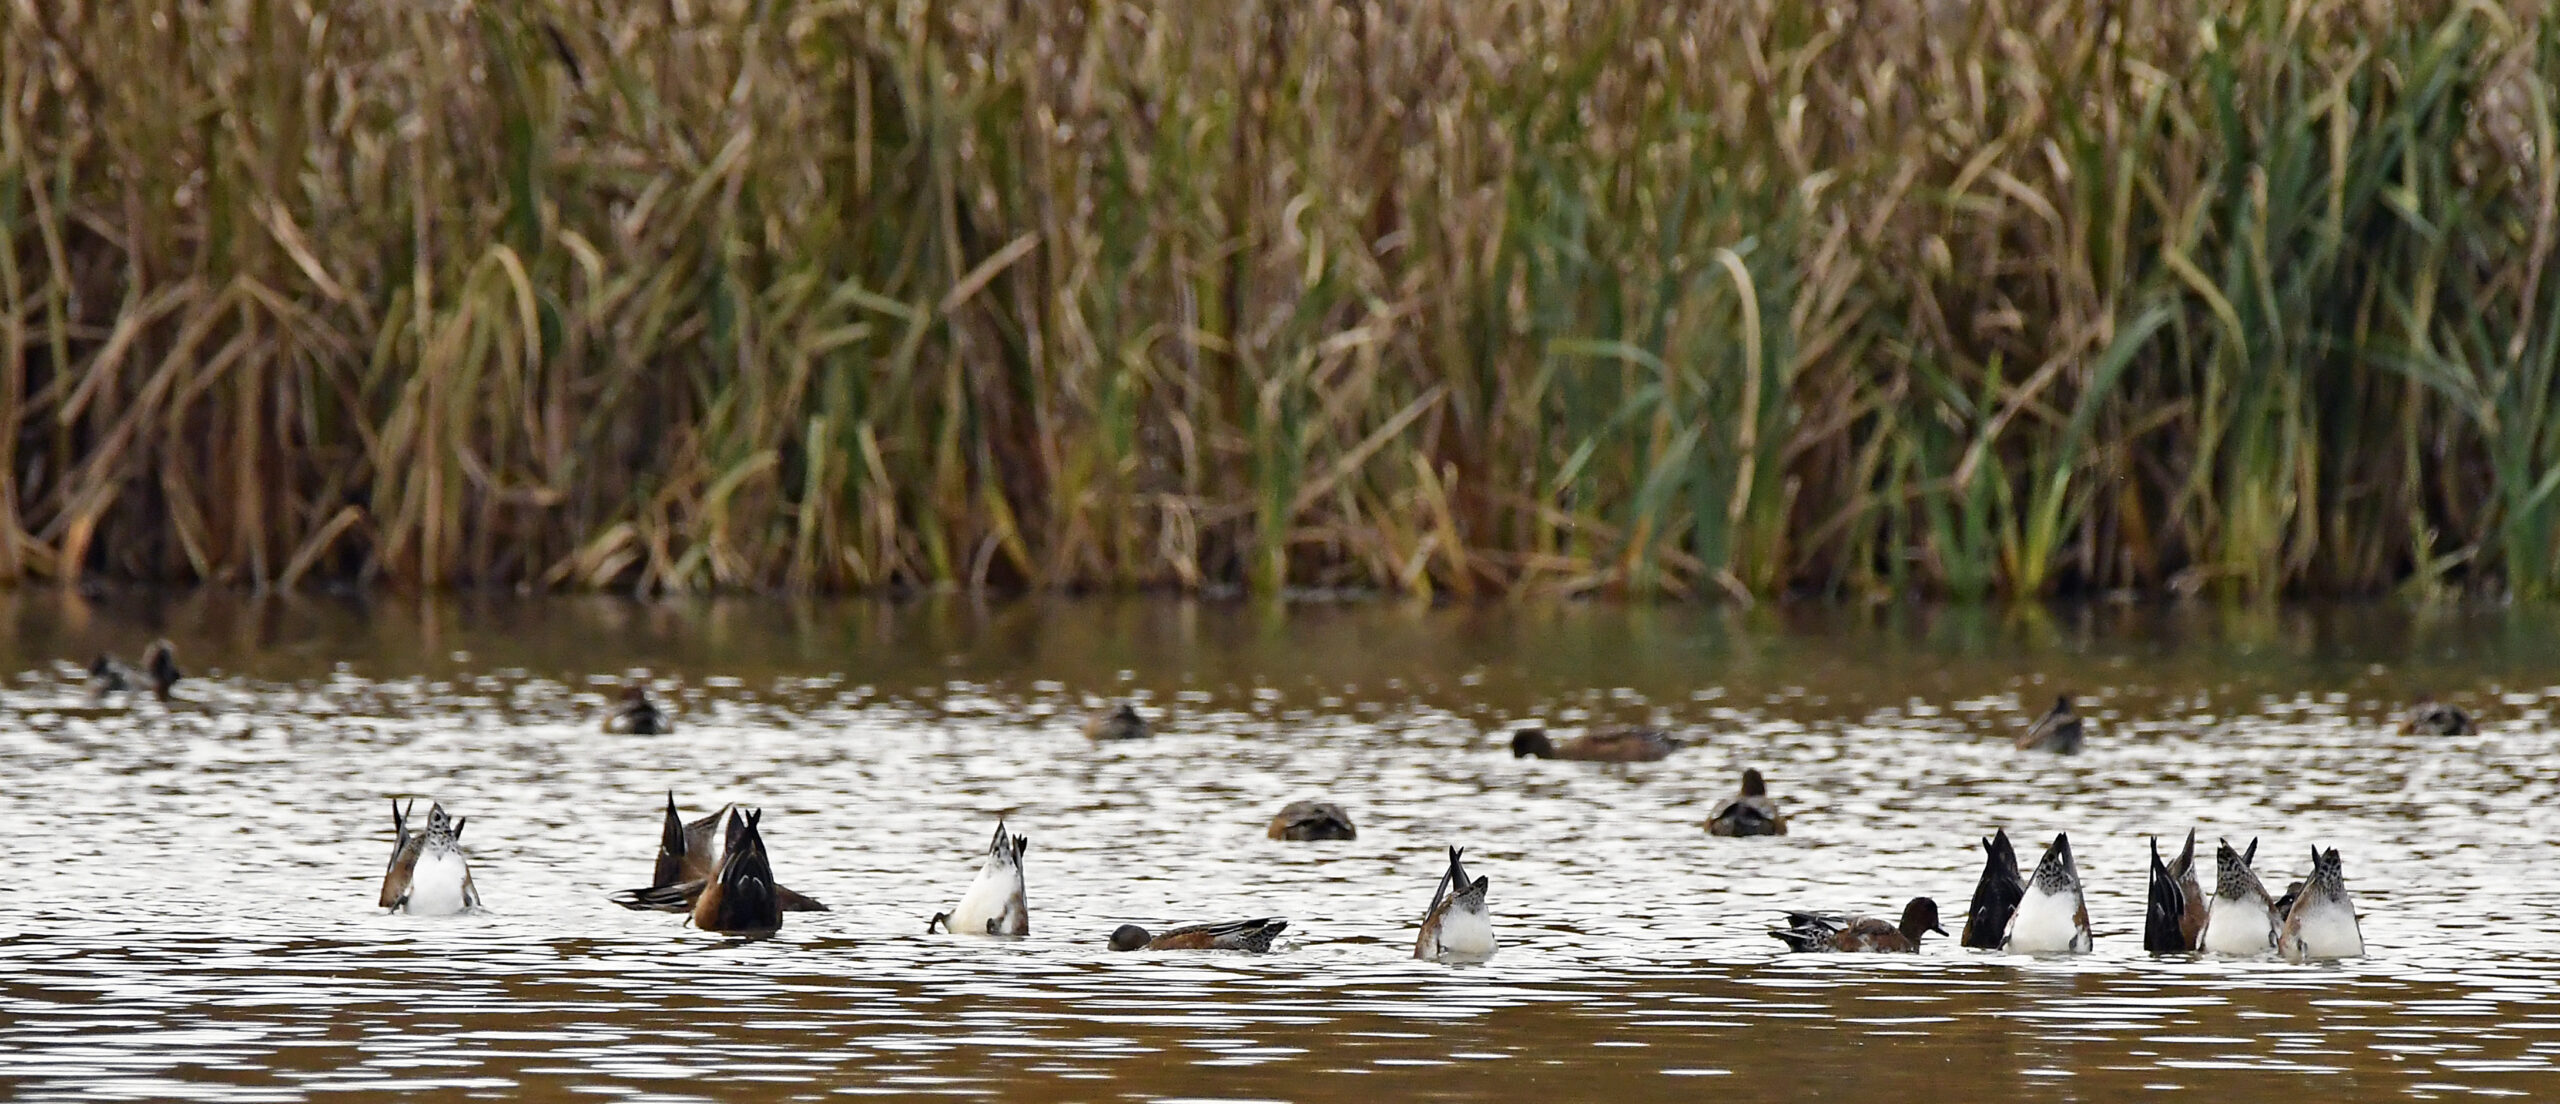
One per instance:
(1436, 296)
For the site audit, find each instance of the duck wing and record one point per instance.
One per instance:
(669, 898)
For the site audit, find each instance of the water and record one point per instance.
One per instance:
(188, 909)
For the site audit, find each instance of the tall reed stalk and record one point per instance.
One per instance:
(1443, 297)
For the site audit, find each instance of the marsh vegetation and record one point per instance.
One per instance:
(1434, 297)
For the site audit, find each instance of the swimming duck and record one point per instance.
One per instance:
(1120, 722)
(690, 854)
(1820, 931)
(739, 900)
(2434, 718)
(1456, 926)
(637, 715)
(157, 673)
(1749, 813)
(2058, 731)
(1312, 820)
(2053, 918)
(2242, 920)
(2173, 920)
(427, 875)
(2322, 921)
(994, 904)
(1252, 936)
(1995, 896)
(1609, 745)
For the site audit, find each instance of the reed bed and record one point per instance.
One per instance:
(1433, 296)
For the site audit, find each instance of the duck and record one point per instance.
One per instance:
(2058, 731)
(1821, 931)
(2322, 921)
(994, 903)
(2284, 901)
(1301, 821)
(2430, 717)
(2242, 920)
(1608, 745)
(427, 875)
(637, 715)
(157, 673)
(1751, 812)
(1120, 722)
(1995, 895)
(739, 900)
(1456, 928)
(690, 854)
(2053, 917)
(1251, 936)
(2173, 920)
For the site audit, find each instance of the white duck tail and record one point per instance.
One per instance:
(440, 883)
(995, 903)
(2243, 918)
(2052, 918)
(2323, 921)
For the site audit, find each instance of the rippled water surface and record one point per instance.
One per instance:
(188, 905)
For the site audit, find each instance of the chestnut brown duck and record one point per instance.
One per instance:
(1822, 931)
(1250, 936)
(1608, 745)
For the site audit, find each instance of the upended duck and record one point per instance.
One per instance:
(1823, 931)
(2173, 917)
(690, 854)
(1995, 895)
(740, 898)
(2322, 921)
(427, 875)
(1250, 936)
(1608, 745)
(994, 903)
(2053, 917)
(2242, 918)
(1456, 927)
(1751, 812)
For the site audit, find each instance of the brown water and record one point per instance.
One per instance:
(188, 904)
